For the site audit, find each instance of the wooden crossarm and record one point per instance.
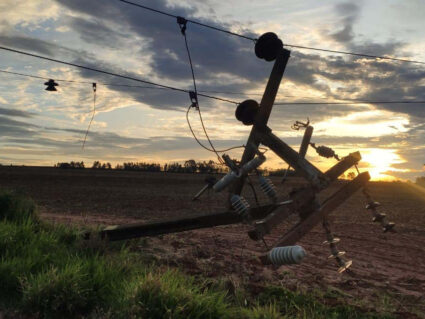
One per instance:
(329, 205)
(293, 158)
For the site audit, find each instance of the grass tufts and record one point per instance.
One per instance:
(16, 208)
(173, 295)
(49, 271)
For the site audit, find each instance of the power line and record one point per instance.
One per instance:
(350, 102)
(188, 20)
(144, 87)
(369, 56)
(219, 92)
(45, 78)
(114, 74)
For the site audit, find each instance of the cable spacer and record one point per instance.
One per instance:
(182, 22)
(194, 99)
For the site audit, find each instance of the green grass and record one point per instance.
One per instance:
(48, 271)
(299, 305)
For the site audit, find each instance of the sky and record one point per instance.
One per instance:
(38, 127)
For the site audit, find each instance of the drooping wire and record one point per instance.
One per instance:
(182, 22)
(94, 86)
(200, 143)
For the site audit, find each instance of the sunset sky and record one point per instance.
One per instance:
(138, 124)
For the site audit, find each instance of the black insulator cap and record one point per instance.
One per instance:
(247, 111)
(267, 46)
(51, 85)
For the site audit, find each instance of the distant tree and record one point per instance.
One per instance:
(72, 164)
(96, 165)
(63, 165)
(190, 166)
(175, 168)
(142, 166)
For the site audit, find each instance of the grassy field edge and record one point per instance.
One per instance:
(49, 271)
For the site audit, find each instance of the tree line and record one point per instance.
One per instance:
(190, 166)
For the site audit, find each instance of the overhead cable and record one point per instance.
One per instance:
(369, 56)
(188, 20)
(219, 92)
(113, 74)
(350, 102)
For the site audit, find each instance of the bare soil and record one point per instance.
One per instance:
(388, 271)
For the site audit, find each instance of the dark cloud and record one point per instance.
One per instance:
(43, 47)
(15, 113)
(27, 43)
(349, 12)
(212, 53)
(13, 128)
(95, 31)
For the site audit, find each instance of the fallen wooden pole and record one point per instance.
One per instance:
(264, 111)
(176, 225)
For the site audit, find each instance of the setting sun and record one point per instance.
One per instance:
(380, 161)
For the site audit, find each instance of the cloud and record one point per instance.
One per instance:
(13, 128)
(349, 12)
(141, 44)
(16, 113)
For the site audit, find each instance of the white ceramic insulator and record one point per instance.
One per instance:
(240, 204)
(225, 181)
(286, 255)
(251, 165)
(268, 188)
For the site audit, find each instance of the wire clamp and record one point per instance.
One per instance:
(182, 22)
(194, 99)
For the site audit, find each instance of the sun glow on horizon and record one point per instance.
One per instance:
(381, 161)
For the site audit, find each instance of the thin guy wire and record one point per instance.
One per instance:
(196, 95)
(112, 74)
(91, 120)
(369, 56)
